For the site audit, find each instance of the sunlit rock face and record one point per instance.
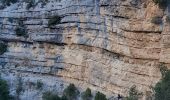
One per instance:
(106, 45)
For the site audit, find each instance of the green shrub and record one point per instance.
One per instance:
(87, 94)
(8, 2)
(10, 19)
(20, 29)
(162, 88)
(64, 97)
(3, 48)
(100, 96)
(50, 96)
(133, 94)
(54, 21)
(30, 4)
(71, 92)
(43, 2)
(156, 20)
(163, 69)
(4, 90)
(39, 84)
(161, 3)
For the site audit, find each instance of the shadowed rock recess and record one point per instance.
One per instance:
(105, 45)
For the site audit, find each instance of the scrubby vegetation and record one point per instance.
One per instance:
(50, 96)
(3, 48)
(8, 2)
(163, 69)
(43, 2)
(162, 88)
(133, 94)
(156, 20)
(4, 90)
(161, 3)
(34, 3)
(71, 92)
(10, 19)
(39, 85)
(30, 4)
(54, 21)
(87, 94)
(20, 29)
(100, 96)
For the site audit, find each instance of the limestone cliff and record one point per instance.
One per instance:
(106, 45)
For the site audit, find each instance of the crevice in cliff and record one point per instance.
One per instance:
(55, 43)
(142, 31)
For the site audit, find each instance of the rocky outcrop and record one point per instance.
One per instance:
(106, 45)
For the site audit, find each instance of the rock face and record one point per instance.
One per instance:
(106, 45)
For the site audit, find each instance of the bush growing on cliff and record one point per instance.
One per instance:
(54, 20)
(64, 98)
(163, 69)
(10, 20)
(43, 2)
(39, 85)
(50, 96)
(100, 96)
(4, 90)
(162, 88)
(161, 3)
(20, 29)
(3, 48)
(156, 20)
(87, 94)
(8, 2)
(30, 4)
(133, 94)
(71, 92)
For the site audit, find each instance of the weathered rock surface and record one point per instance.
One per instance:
(106, 45)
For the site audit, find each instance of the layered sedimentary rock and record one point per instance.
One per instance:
(106, 45)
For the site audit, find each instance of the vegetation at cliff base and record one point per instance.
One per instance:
(3, 48)
(4, 90)
(100, 96)
(133, 94)
(71, 92)
(87, 94)
(39, 85)
(162, 88)
(50, 96)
